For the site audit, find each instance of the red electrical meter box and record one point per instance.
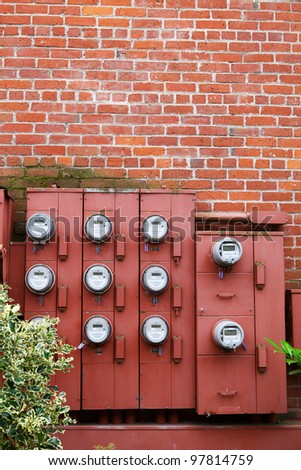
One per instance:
(239, 303)
(6, 217)
(110, 301)
(167, 324)
(53, 272)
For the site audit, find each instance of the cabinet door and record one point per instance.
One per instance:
(233, 295)
(270, 323)
(226, 384)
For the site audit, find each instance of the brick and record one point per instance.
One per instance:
(15, 150)
(82, 150)
(30, 139)
(229, 185)
(50, 42)
(97, 11)
(129, 140)
(131, 12)
(114, 109)
(82, 43)
(64, 161)
(196, 184)
(50, 150)
(145, 151)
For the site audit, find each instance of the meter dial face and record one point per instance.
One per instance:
(155, 330)
(155, 279)
(36, 320)
(155, 228)
(227, 251)
(40, 279)
(228, 334)
(98, 278)
(40, 227)
(98, 228)
(98, 330)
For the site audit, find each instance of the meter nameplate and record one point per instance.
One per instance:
(40, 279)
(98, 330)
(98, 278)
(40, 227)
(228, 334)
(155, 279)
(227, 251)
(155, 228)
(155, 330)
(98, 228)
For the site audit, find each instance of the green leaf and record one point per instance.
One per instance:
(291, 361)
(287, 348)
(275, 345)
(11, 325)
(294, 372)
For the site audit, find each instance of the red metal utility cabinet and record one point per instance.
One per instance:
(240, 302)
(167, 325)
(110, 301)
(54, 270)
(295, 295)
(6, 216)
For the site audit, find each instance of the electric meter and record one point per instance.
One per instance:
(40, 279)
(36, 320)
(228, 334)
(98, 228)
(155, 279)
(98, 330)
(98, 278)
(226, 252)
(155, 330)
(155, 229)
(40, 227)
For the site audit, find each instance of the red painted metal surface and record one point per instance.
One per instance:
(270, 322)
(296, 317)
(232, 295)
(6, 218)
(167, 371)
(268, 217)
(226, 384)
(16, 273)
(184, 436)
(62, 253)
(110, 371)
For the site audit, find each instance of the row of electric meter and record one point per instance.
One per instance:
(98, 330)
(98, 229)
(98, 279)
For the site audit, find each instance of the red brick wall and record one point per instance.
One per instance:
(191, 94)
(197, 94)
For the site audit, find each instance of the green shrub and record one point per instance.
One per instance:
(31, 410)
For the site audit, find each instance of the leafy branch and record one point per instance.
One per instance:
(292, 355)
